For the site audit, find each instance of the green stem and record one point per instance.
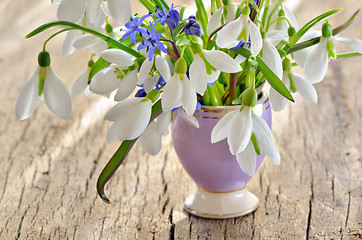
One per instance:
(351, 54)
(54, 35)
(102, 36)
(232, 87)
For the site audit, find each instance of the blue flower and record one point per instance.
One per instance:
(172, 17)
(193, 27)
(161, 82)
(141, 93)
(153, 41)
(133, 27)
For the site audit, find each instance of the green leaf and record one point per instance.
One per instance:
(345, 25)
(308, 26)
(273, 80)
(99, 65)
(178, 28)
(149, 5)
(113, 42)
(119, 157)
(201, 14)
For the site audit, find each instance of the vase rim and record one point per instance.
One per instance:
(262, 100)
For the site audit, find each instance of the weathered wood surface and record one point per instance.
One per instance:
(49, 167)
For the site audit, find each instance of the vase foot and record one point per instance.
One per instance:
(221, 205)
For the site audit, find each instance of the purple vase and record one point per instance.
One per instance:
(213, 168)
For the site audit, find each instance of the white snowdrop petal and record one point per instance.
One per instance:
(71, 10)
(301, 57)
(92, 10)
(163, 68)
(255, 38)
(151, 140)
(247, 159)
(28, 97)
(120, 10)
(290, 16)
(316, 65)
(118, 111)
(198, 75)
(214, 21)
(100, 18)
(117, 56)
(264, 138)
(230, 16)
(221, 129)
(356, 44)
(99, 47)
(69, 41)
(85, 41)
(144, 70)
(80, 84)
(127, 86)
(277, 100)
(272, 59)
(239, 59)
(56, 95)
(305, 88)
(187, 118)
(213, 76)
(277, 35)
(163, 122)
(222, 61)
(136, 120)
(227, 36)
(240, 131)
(150, 83)
(105, 81)
(112, 133)
(171, 97)
(189, 98)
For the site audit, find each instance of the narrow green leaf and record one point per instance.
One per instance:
(165, 5)
(202, 14)
(351, 54)
(149, 5)
(345, 25)
(113, 42)
(308, 26)
(274, 81)
(179, 28)
(99, 65)
(119, 157)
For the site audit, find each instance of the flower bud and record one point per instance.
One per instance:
(281, 13)
(181, 66)
(250, 97)
(109, 28)
(291, 31)
(327, 30)
(245, 10)
(287, 65)
(44, 59)
(226, 2)
(196, 48)
(90, 63)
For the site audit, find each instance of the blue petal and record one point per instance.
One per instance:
(161, 47)
(151, 51)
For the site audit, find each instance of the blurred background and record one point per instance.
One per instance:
(49, 166)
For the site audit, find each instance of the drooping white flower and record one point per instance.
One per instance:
(221, 61)
(151, 139)
(316, 64)
(237, 127)
(80, 84)
(74, 10)
(179, 92)
(303, 86)
(237, 30)
(130, 116)
(272, 58)
(215, 19)
(55, 94)
(111, 78)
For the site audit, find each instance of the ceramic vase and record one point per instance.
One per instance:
(220, 182)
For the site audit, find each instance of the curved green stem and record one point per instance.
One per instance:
(102, 36)
(54, 35)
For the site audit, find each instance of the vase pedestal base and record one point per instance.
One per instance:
(221, 205)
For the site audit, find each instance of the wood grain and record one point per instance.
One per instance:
(49, 167)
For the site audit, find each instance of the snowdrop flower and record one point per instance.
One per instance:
(200, 76)
(151, 139)
(161, 66)
(90, 41)
(73, 10)
(179, 91)
(215, 20)
(80, 84)
(239, 29)
(303, 86)
(238, 127)
(110, 78)
(44, 83)
(316, 64)
(130, 118)
(272, 58)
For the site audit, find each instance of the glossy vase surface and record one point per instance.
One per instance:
(216, 172)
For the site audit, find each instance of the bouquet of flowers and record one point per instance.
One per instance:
(165, 62)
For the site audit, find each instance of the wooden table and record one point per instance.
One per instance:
(49, 167)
